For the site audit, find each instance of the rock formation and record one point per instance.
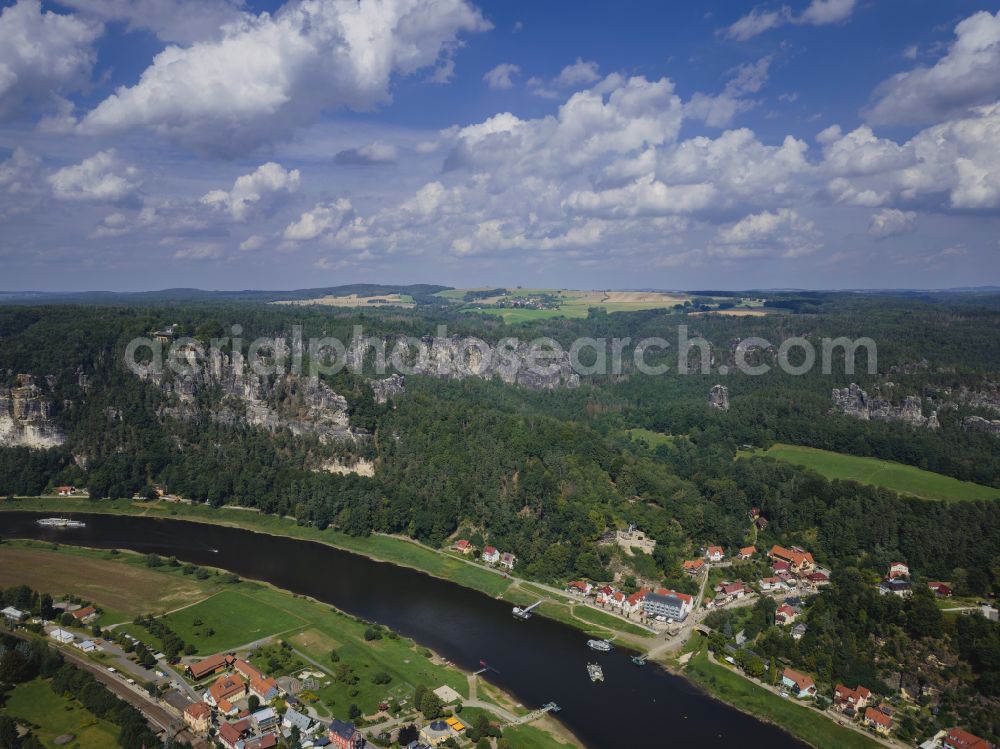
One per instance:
(457, 358)
(979, 424)
(855, 402)
(388, 388)
(718, 397)
(283, 401)
(27, 416)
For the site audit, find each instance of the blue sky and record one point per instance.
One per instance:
(228, 144)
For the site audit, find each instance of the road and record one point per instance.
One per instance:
(830, 713)
(158, 715)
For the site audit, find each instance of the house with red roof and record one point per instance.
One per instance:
(198, 716)
(877, 720)
(799, 684)
(714, 553)
(693, 566)
(227, 687)
(898, 569)
(746, 552)
(85, 614)
(491, 555)
(211, 665)
(799, 561)
(231, 734)
(462, 545)
(942, 590)
(579, 588)
(785, 614)
(853, 699)
(959, 738)
(633, 604)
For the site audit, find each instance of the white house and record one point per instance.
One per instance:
(87, 646)
(491, 555)
(61, 635)
(508, 560)
(898, 569)
(714, 554)
(13, 614)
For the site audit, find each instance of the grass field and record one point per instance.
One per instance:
(805, 722)
(122, 590)
(576, 304)
(653, 439)
(53, 715)
(229, 619)
(894, 476)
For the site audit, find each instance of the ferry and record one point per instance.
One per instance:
(61, 523)
(525, 613)
(602, 646)
(595, 671)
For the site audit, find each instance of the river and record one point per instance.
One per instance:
(538, 661)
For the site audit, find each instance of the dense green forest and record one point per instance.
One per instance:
(545, 473)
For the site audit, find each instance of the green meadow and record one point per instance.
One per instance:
(883, 473)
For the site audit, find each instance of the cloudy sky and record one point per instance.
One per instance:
(242, 144)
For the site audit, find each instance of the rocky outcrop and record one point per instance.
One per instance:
(456, 358)
(285, 401)
(988, 398)
(718, 397)
(27, 416)
(389, 388)
(979, 424)
(855, 402)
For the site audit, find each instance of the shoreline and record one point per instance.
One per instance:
(548, 723)
(161, 510)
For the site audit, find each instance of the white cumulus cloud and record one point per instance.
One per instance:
(42, 56)
(251, 190)
(101, 178)
(969, 74)
(501, 77)
(271, 73)
(891, 221)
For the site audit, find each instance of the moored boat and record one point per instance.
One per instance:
(595, 671)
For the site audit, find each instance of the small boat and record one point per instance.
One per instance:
(595, 671)
(602, 646)
(520, 613)
(639, 660)
(61, 523)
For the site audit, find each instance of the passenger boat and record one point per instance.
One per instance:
(61, 523)
(602, 646)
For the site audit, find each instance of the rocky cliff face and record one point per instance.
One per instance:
(27, 416)
(455, 358)
(979, 424)
(855, 402)
(389, 388)
(718, 397)
(273, 402)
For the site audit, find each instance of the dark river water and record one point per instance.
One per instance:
(537, 661)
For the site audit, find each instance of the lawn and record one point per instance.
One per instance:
(229, 619)
(893, 476)
(805, 722)
(34, 702)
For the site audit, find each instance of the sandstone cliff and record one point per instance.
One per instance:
(272, 402)
(27, 416)
(855, 402)
(718, 397)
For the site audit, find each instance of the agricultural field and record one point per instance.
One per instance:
(576, 304)
(123, 588)
(886, 474)
(53, 716)
(353, 300)
(651, 438)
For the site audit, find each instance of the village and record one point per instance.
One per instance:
(793, 577)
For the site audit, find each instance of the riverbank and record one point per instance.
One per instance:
(222, 615)
(396, 550)
(403, 553)
(802, 720)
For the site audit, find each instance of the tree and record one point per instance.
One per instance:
(408, 734)
(431, 705)
(334, 655)
(354, 712)
(253, 702)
